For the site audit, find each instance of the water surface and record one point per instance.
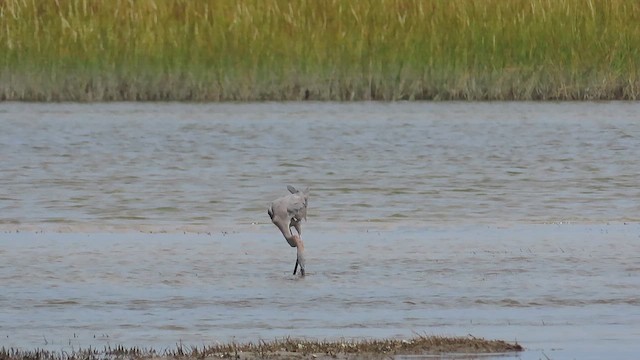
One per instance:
(145, 224)
(218, 166)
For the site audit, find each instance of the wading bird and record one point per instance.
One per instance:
(287, 212)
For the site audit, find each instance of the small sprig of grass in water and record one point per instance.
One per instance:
(287, 348)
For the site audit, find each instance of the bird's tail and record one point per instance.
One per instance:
(270, 212)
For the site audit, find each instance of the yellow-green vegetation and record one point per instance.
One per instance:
(212, 50)
(288, 349)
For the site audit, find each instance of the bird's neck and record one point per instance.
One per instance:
(292, 240)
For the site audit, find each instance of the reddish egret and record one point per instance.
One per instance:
(287, 212)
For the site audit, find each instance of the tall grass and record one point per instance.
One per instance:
(210, 50)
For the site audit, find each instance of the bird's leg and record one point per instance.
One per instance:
(300, 254)
(294, 241)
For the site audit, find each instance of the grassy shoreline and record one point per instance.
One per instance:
(288, 348)
(254, 50)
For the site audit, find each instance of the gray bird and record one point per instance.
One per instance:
(287, 212)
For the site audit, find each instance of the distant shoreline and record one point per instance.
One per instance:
(210, 51)
(289, 348)
(183, 87)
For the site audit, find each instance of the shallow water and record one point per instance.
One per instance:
(428, 218)
(557, 289)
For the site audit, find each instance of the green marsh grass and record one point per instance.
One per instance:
(236, 50)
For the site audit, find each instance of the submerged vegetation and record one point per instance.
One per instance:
(287, 349)
(217, 50)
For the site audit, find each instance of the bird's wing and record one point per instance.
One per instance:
(297, 207)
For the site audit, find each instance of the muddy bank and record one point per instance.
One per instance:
(289, 349)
